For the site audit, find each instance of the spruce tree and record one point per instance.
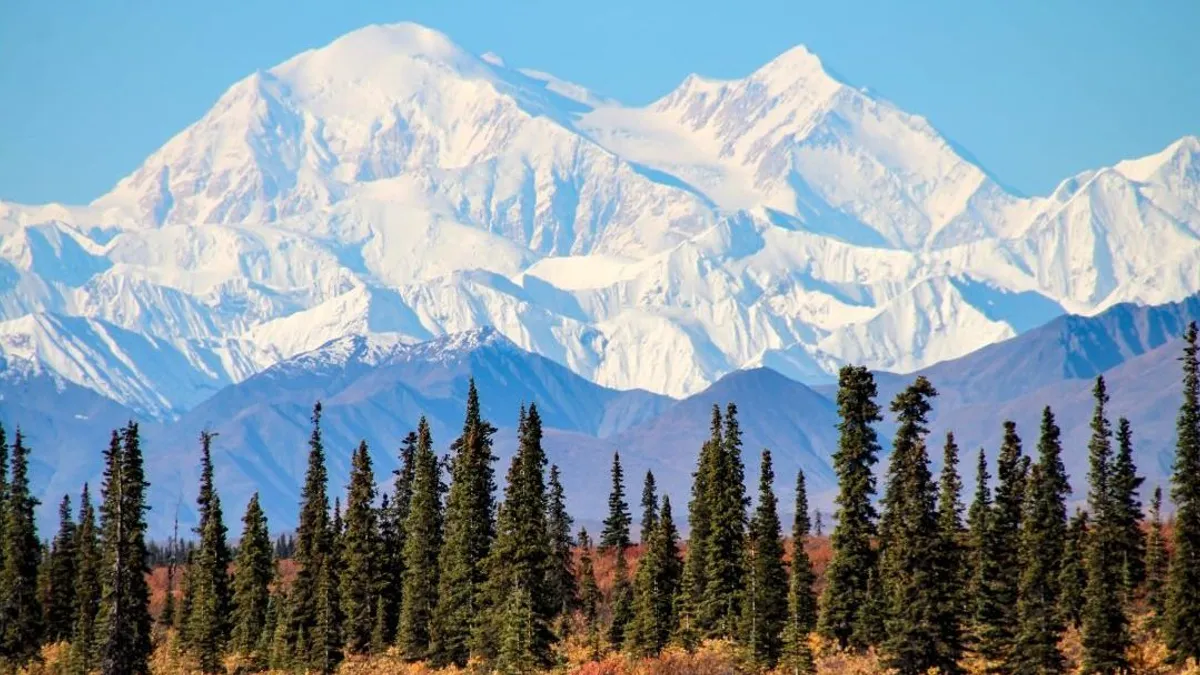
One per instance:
(621, 600)
(977, 532)
(845, 598)
(560, 577)
(589, 591)
(519, 652)
(3, 483)
(649, 507)
(313, 549)
(802, 600)
(520, 556)
(1043, 545)
(59, 608)
(1157, 560)
(252, 582)
(208, 575)
(470, 527)
(766, 604)
(1105, 629)
(166, 617)
(953, 571)
(422, 542)
(393, 513)
(908, 534)
(1125, 485)
(700, 521)
(616, 524)
(360, 554)
(725, 566)
(996, 614)
(655, 587)
(87, 587)
(327, 638)
(125, 639)
(1073, 573)
(1182, 612)
(20, 554)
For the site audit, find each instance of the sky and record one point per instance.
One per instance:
(1036, 91)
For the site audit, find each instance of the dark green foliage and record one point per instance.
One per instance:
(518, 565)
(208, 575)
(422, 541)
(1043, 544)
(616, 524)
(560, 576)
(325, 652)
(252, 581)
(802, 600)
(725, 565)
(978, 516)
(360, 555)
(1183, 585)
(3, 483)
(59, 605)
(953, 571)
(621, 600)
(1073, 573)
(1105, 629)
(589, 592)
(519, 650)
(313, 548)
(765, 606)
(20, 554)
(124, 647)
(908, 532)
(649, 507)
(845, 600)
(470, 527)
(87, 587)
(700, 521)
(999, 558)
(1125, 484)
(393, 513)
(655, 587)
(1157, 560)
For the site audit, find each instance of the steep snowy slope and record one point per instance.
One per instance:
(393, 183)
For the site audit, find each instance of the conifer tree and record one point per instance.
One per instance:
(1073, 573)
(1182, 612)
(519, 652)
(700, 521)
(422, 541)
(520, 557)
(560, 577)
(1157, 560)
(908, 535)
(953, 573)
(327, 637)
(360, 554)
(616, 524)
(87, 587)
(393, 513)
(59, 608)
(1043, 545)
(996, 613)
(1105, 629)
(765, 606)
(977, 527)
(656, 587)
(649, 507)
(20, 553)
(208, 575)
(3, 482)
(589, 591)
(125, 640)
(470, 526)
(802, 600)
(725, 566)
(1125, 485)
(313, 549)
(621, 600)
(166, 618)
(845, 597)
(252, 582)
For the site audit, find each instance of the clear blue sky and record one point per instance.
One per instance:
(1036, 90)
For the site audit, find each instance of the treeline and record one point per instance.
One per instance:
(437, 570)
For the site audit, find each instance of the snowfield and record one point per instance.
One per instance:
(392, 184)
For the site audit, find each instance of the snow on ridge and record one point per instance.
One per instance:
(358, 201)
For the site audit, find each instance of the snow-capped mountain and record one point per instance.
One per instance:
(393, 184)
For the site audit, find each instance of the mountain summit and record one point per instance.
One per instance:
(395, 185)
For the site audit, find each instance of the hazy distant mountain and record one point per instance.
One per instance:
(391, 183)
